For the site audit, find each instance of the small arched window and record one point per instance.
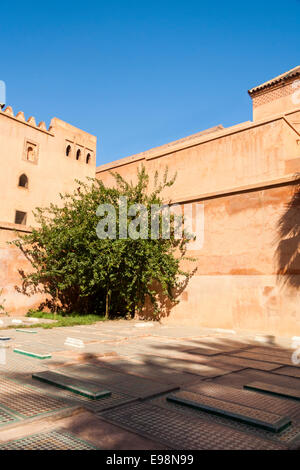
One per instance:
(68, 150)
(23, 181)
(88, 158)
(30, 154)
(78, 153)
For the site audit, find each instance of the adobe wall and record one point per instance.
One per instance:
(243, 177)
(282, 97)
(49, 173)
(237, 284)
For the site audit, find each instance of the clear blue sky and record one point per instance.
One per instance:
(140, 74)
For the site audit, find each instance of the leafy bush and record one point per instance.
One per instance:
(2, 308)
(83, 273)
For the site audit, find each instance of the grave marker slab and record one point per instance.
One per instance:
(272, 389)
(84, 388)
(32, 354)
(25, 331)
(265, 420)
(74, 342)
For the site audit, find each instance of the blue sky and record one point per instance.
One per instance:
(140, 74)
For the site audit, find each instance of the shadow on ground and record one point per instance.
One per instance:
(139, 368)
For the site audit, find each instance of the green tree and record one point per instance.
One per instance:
(2, 308)
(83, 273)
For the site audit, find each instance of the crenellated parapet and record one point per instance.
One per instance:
(8, 111)
(77, 144)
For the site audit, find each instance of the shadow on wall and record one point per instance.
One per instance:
(288, 249)
(165, 305)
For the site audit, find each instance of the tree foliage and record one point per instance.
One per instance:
(80, 272)
(2, 308)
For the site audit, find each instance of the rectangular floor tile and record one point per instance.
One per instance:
(178, 432)
(273, 389)
(26, 401)
(263, 419)
(72, 384)
(289, 436)
(228, 392)
(243, 362)
(289, 371)
(265, 357)
(53, 440)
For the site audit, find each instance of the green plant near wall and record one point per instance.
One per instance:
(80, 272)
(2, 308)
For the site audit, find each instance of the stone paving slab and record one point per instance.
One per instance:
(83, 425)
(159, 347)
(178, 432)
(96, 406)
(189, 360)
(246, 363)
(146, 369)
(80, 387)
(232, 411)
(265, 357)
(269, 350)
(54, 440)
(32, 354)
(7, 417)
(140, 365)
(220, 344)
(289, 436)
(133, 386)
(39, 347)
(101, 348)
(207, 351)
(94, 372)
(17, 365)
(196, 368)
(169, 331)
(26, 401)
(244, 397)
(239, 378)
(290, 371)
(26, 331)
(190, 343)
(272, 389)
(10, 321)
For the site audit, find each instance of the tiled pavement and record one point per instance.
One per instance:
(141, 363)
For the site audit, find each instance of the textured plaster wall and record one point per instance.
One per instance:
(51, 174)
(243, 177)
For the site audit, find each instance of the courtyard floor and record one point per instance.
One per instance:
(142, 364)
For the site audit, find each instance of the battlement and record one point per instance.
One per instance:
(8, 111)
(56, 125)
